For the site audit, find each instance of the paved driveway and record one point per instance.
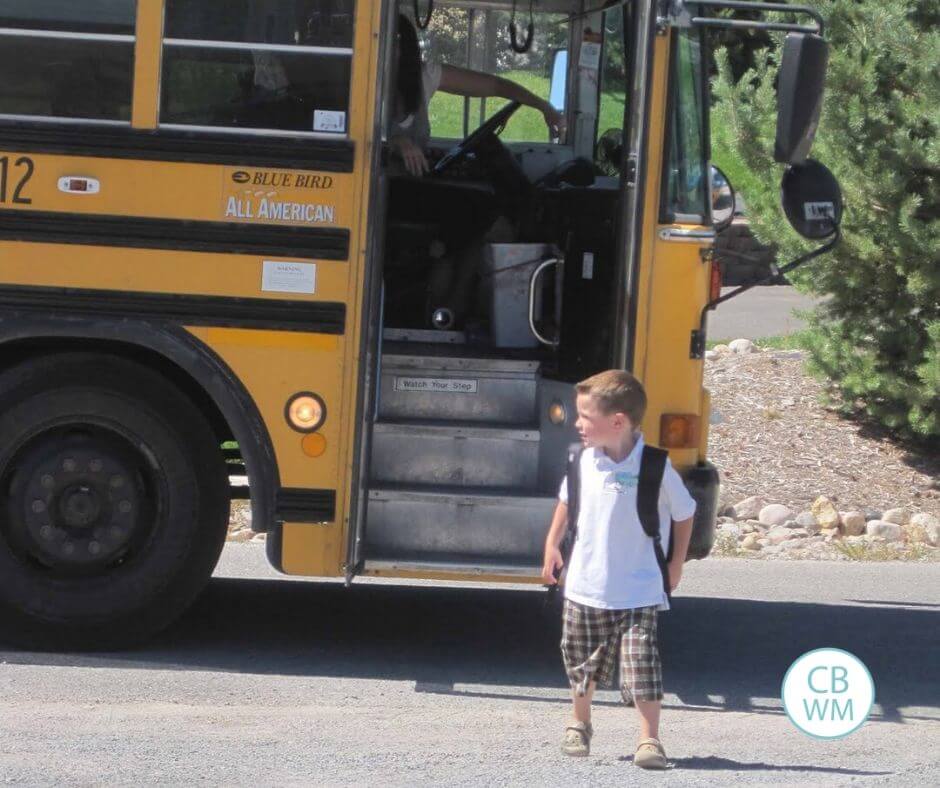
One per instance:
(758, 312)
(273, 682)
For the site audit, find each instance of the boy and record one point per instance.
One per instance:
(614, 586)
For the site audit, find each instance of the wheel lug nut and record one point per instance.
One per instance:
(68, 548)
(94, 548)
(47, 481)
(95, 465)
(117, 481)
(69, 465)
(39, 506)
(46, 532)
(124, 507)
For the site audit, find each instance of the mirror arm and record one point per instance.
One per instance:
(744, 5)
(697, 350)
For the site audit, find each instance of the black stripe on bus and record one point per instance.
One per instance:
(237, 150)
(315, 317)
(295, 505)
(192, 236)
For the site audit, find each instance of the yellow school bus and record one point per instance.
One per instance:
(215, 284)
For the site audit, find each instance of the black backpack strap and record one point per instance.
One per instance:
(573, 486)
(652, 468)
(575, 450)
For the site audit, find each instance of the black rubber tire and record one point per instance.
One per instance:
(143, 591)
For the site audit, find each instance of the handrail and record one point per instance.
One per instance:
(532, 282)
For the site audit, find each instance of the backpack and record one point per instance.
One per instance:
(652, 468)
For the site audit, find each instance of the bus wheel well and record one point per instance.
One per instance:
(15, 351)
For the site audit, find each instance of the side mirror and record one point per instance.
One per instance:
(559, 83)
(799, 95)
(723, 199)
(812, 199)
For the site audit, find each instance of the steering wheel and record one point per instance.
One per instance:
(491, 127)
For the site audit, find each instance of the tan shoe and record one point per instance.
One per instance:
(577, 741)
(650, 754)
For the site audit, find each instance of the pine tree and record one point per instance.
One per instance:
(877, 335)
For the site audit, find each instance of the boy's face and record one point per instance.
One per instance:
(599, 429)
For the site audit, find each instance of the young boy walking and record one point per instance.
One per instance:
(615, 586)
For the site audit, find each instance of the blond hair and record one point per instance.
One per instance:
(616, 391)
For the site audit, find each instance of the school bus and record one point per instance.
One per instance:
(214, 285)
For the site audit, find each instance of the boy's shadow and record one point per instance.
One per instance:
(714, 763)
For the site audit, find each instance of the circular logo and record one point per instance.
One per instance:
(241, 177)
(828, 693)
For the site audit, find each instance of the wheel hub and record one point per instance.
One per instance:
(80, 501)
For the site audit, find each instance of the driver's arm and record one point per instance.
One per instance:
(464, 82)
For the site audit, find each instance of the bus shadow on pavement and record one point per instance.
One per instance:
(718, 654)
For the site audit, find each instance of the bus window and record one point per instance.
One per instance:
(686, 167)
(267, 65)
(478, 38)
(61, 60)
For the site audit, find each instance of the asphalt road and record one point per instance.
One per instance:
(270, 681)
(759, 312)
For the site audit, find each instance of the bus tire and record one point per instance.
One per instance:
(114, 502)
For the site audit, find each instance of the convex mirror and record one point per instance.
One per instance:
(812, 199)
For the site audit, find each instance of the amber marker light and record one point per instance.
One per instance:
(305, 412)
(678, 431)
(313, 444)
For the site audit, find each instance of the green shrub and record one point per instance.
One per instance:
(877, 337)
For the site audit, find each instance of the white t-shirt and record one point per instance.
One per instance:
(613, 564)
(430, 82)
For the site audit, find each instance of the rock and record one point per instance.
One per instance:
(779, 534)
(715, 417)
(896, 516)
(710, 355)
(726, 511)
(853, 523)
(807, 521)
(749, 528)
(731, 529)
(774, 514)
(888, 531)
(742, 346)
(259, 537)
(749, 508)
(750, 542)
(933, 534)
(915, 534)
(721, 350)
(925, 520)
(722, 519)
(825, 513)
(871, 514)
(830, 533)
(241, 536)
(772, 549)
(799, 533)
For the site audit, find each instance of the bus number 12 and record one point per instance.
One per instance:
(22, 162)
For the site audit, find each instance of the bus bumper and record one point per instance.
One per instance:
(702, 482)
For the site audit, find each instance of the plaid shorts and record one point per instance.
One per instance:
(592, 638)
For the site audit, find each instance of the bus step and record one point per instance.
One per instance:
(465, 389)
(459, 454)
(494, 527)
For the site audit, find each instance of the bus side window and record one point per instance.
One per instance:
(275, 66)
(67, 61)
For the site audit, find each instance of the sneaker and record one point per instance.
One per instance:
(577, 741)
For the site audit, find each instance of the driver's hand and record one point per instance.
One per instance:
(557, 125)
(415, 161)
